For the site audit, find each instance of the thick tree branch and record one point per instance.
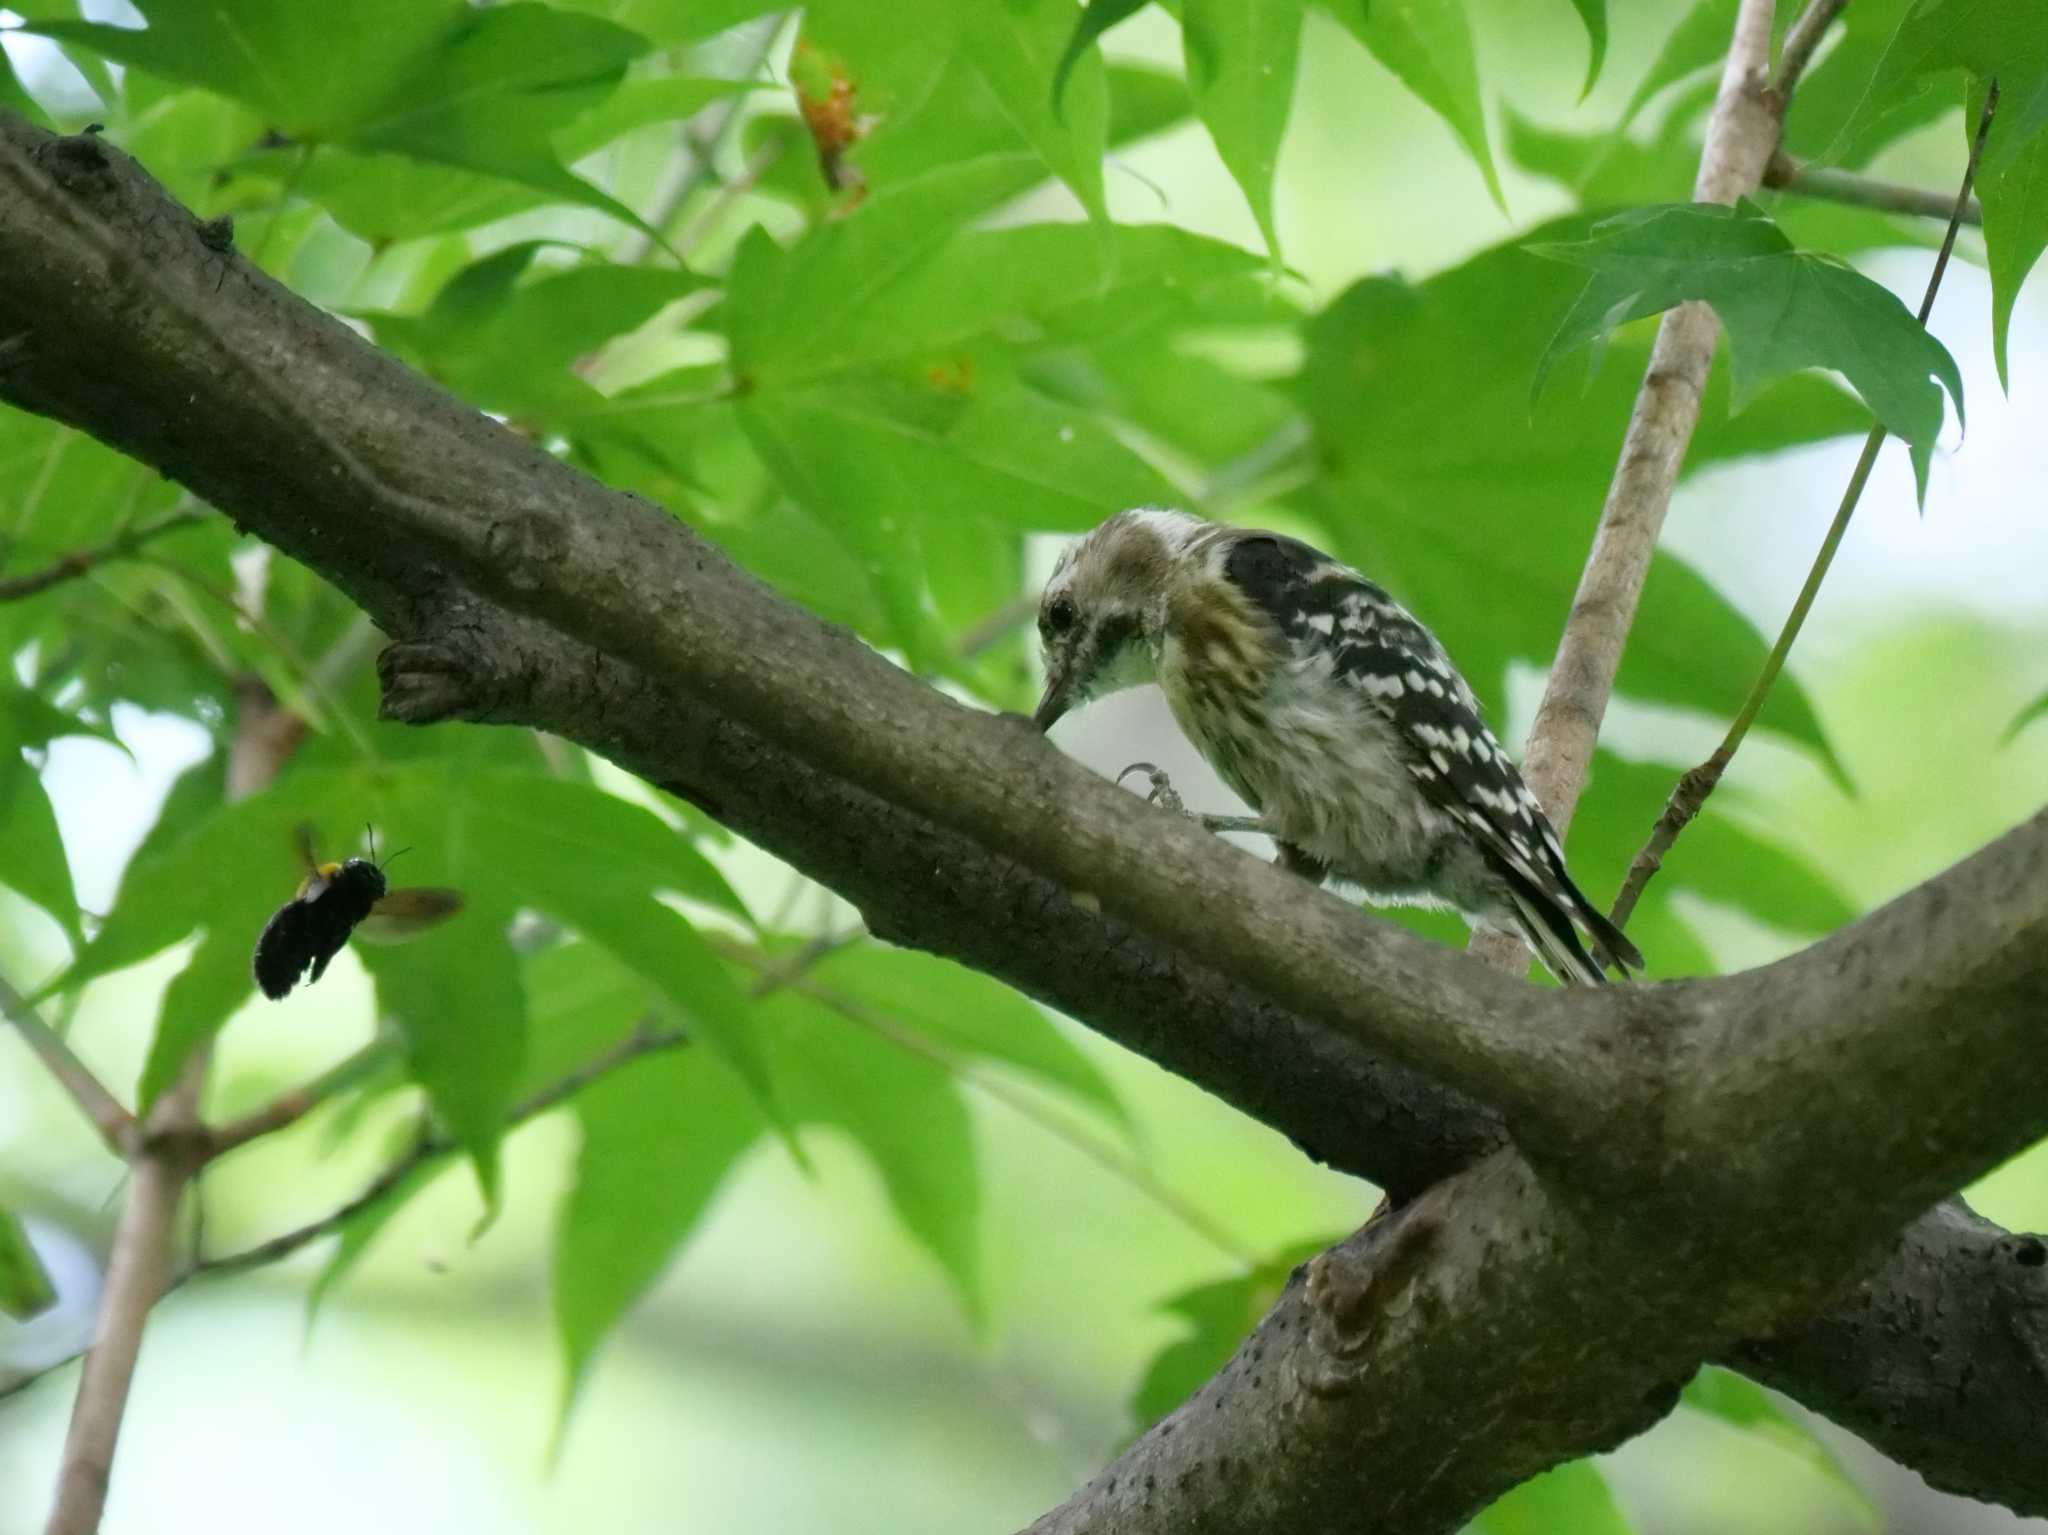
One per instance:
(524, 593)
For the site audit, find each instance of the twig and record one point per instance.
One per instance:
(115, 1124)
(706, 218)
(703, 151)
(171, 1148)
(1692, 789)
(423, 1150)
(1741, 134)
(989, 631)
(1790, 174)
(858, 1013)
(1802, 40)
(782, 972)
(644, 1042)
(289, 1107)
(71, 566)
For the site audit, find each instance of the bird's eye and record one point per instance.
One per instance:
(1059, 618)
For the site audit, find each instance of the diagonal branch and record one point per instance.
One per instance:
(115, 1124)
(71, 566)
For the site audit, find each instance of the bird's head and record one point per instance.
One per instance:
(1103, 614)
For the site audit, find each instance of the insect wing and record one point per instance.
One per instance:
(403, 914)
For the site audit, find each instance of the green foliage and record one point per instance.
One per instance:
(1241, 59)
(1427, 44)
(1784, 309)
(881, 391)
(25, 1289)
(1571, 1497)
(1218, 1315)
(1424, 508)
(479, 90)
(1748, 1408)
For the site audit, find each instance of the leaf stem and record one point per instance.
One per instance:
(1691, 791)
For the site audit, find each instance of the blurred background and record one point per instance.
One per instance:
(804, 1366)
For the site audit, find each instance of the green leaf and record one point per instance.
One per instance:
(459, 1004)
(885, 379)
(950, 84)
(500, 85)
(962, 1010)
(1784, 310)
(1747, 1407)
(1507, 502)
(33, 862)
(904, 1112)
(15, 98)
(1242, 58)
(1594, 14)
(310, 79)
(478, 90)
(1990, 39)
(1428, 46)
(360, 1229)
(659, 1137)
(2015, 203)
(2033, 711)
(1096, 18)
(1573, 1497)
(1218, 1316)
(1698, 41)
(25, 1288)
(510, 345)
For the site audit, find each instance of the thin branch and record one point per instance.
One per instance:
(71, 566)
(172, 1146)
(987, 632)
(294, 1104)
(1692, 789)
(628, 1050)
(136, 1273)
(1790, 174)
(1802, 41)
(115, 1124)
(1741, 134)
(1093, 1147)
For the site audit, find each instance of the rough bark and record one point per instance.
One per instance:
(1657, 1209)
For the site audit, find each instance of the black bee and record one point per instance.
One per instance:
(333, 901)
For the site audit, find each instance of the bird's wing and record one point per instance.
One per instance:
(1383, 652)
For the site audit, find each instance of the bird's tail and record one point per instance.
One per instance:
(1551, 927)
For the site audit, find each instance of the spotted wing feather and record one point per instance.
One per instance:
(1380, 649)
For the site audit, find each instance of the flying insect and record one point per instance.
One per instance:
(336, 900)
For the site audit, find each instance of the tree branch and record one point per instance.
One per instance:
(69, 567)
(1692, 789)
(1790, 174)
(115, 1124)
(523, 593)
(1742, 131)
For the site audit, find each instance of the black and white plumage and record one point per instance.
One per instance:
(1331, 710)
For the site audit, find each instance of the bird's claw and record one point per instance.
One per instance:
(1163, 794)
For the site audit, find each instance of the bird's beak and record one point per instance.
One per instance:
(1059, 697)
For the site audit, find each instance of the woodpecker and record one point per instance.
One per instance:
(1332, 711)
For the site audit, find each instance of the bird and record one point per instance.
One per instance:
(1331, 710)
